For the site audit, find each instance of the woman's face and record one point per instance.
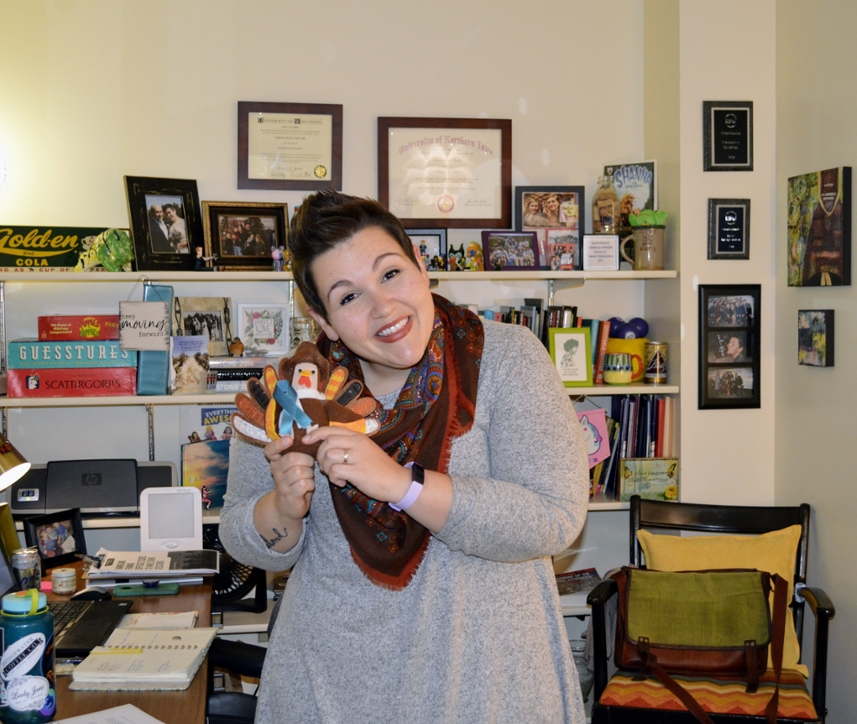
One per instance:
(171, 215)
(533, 207)
(733, 346)
(378, 303)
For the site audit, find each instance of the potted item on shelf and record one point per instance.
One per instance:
(648, 237)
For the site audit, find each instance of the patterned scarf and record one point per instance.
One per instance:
(436, 405)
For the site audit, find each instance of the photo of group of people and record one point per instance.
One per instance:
(167, 227)
(729, 346)
(56, 539)
(509, 251)
(246, 235)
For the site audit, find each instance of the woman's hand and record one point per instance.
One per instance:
(293, 478)
(348, 456)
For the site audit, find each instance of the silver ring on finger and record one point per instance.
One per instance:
(345, 457)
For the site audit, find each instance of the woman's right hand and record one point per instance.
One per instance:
(294, 478)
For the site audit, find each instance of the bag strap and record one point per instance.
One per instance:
(651, 665)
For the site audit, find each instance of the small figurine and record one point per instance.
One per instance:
(236, 347)
(278, 257)
(199, 263)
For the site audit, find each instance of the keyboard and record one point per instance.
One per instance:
(66, 613)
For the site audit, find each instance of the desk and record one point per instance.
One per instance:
(171, 707)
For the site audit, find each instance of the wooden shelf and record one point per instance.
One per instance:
(214, 398)
(623, 390)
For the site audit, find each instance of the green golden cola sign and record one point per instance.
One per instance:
(43, 247)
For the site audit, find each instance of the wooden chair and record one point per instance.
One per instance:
(652, 704)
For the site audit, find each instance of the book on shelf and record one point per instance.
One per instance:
(230, 385)
(205, 422)
(205, 465)
(144, 659)
(601, 351)
(36, 354)
(238, 373)
(72, 382)
(153, 366)
(583, 580)
(77, 326)
(154, 564)
(225, 362)
(188, 364)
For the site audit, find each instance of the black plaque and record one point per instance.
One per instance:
(728, 228)
(728, 135)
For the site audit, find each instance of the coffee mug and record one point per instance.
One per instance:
(648, 248)
(617, 369)
(635, 349)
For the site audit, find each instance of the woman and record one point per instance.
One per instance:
(533, 215)
(458, 620)
(553, 211)
(178, 229)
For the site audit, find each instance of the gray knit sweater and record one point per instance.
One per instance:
(477, 636)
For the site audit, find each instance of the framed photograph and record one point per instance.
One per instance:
(289, 146)
(542, 207)
(815, 337)
(166, 223)
(431, 247)
(264, 327)
(571, 354)
(729, 345)
(240, 235)
(509, 250)
(728, 228)
(205, 316)
(727, 132)
(58, 537)
(563, 249)
(819, 228)
(446, 172)
(600, 252)
(637, 186)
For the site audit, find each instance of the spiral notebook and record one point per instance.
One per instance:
(144, 659)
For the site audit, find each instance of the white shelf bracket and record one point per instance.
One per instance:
(554, 285)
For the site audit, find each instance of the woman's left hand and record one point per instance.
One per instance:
(348, 456)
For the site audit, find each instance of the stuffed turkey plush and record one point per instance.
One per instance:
(300, 395)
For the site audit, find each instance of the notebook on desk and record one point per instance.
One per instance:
(79, 626)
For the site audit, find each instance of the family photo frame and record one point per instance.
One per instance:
(472, 155)
(430, 247)
(166, 222)
(210, 317)
(542, 207)
(58, 537)
(729, 346)
(510, 250)
(239, 235)
(289, 146)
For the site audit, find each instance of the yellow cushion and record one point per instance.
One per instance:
(773, 552)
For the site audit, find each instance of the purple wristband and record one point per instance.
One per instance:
(417, 479)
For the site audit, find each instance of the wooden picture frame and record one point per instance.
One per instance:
(571, 353)
(166, 222)
(728, 228)
(819, 228)
(510, 250)
(476, 192)
(304, 154)
(816, 337)
(263, 327)
(57, 536)
(258, 227)
(729, 346)
(727, 131)
(430, 247)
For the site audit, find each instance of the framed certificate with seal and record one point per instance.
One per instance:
(289, 146)
(444, 173)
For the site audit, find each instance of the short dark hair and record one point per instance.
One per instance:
(326, 219)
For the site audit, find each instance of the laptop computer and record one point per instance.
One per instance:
(79, 626)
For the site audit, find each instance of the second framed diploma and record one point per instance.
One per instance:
(446, 172)
(289, 146)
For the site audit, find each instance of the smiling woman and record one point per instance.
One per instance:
(400, 539)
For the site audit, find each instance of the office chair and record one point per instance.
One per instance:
(233, 707)
(622, 700)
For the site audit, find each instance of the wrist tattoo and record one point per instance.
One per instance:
(276, 538)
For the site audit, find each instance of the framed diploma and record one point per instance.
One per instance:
(446, 172)
(728, 228)
(727, 130)
(289, 146)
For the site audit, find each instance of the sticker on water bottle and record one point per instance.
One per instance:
(27, 693)
(22, 656)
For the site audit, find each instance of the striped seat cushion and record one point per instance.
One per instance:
(716, 696)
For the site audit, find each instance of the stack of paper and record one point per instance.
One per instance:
(144, 659)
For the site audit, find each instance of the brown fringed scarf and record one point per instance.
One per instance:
(436, 405)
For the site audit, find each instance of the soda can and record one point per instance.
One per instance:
(656, 363)
(27, 566)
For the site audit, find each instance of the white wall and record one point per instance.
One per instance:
(727, 53)
(815, 454)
